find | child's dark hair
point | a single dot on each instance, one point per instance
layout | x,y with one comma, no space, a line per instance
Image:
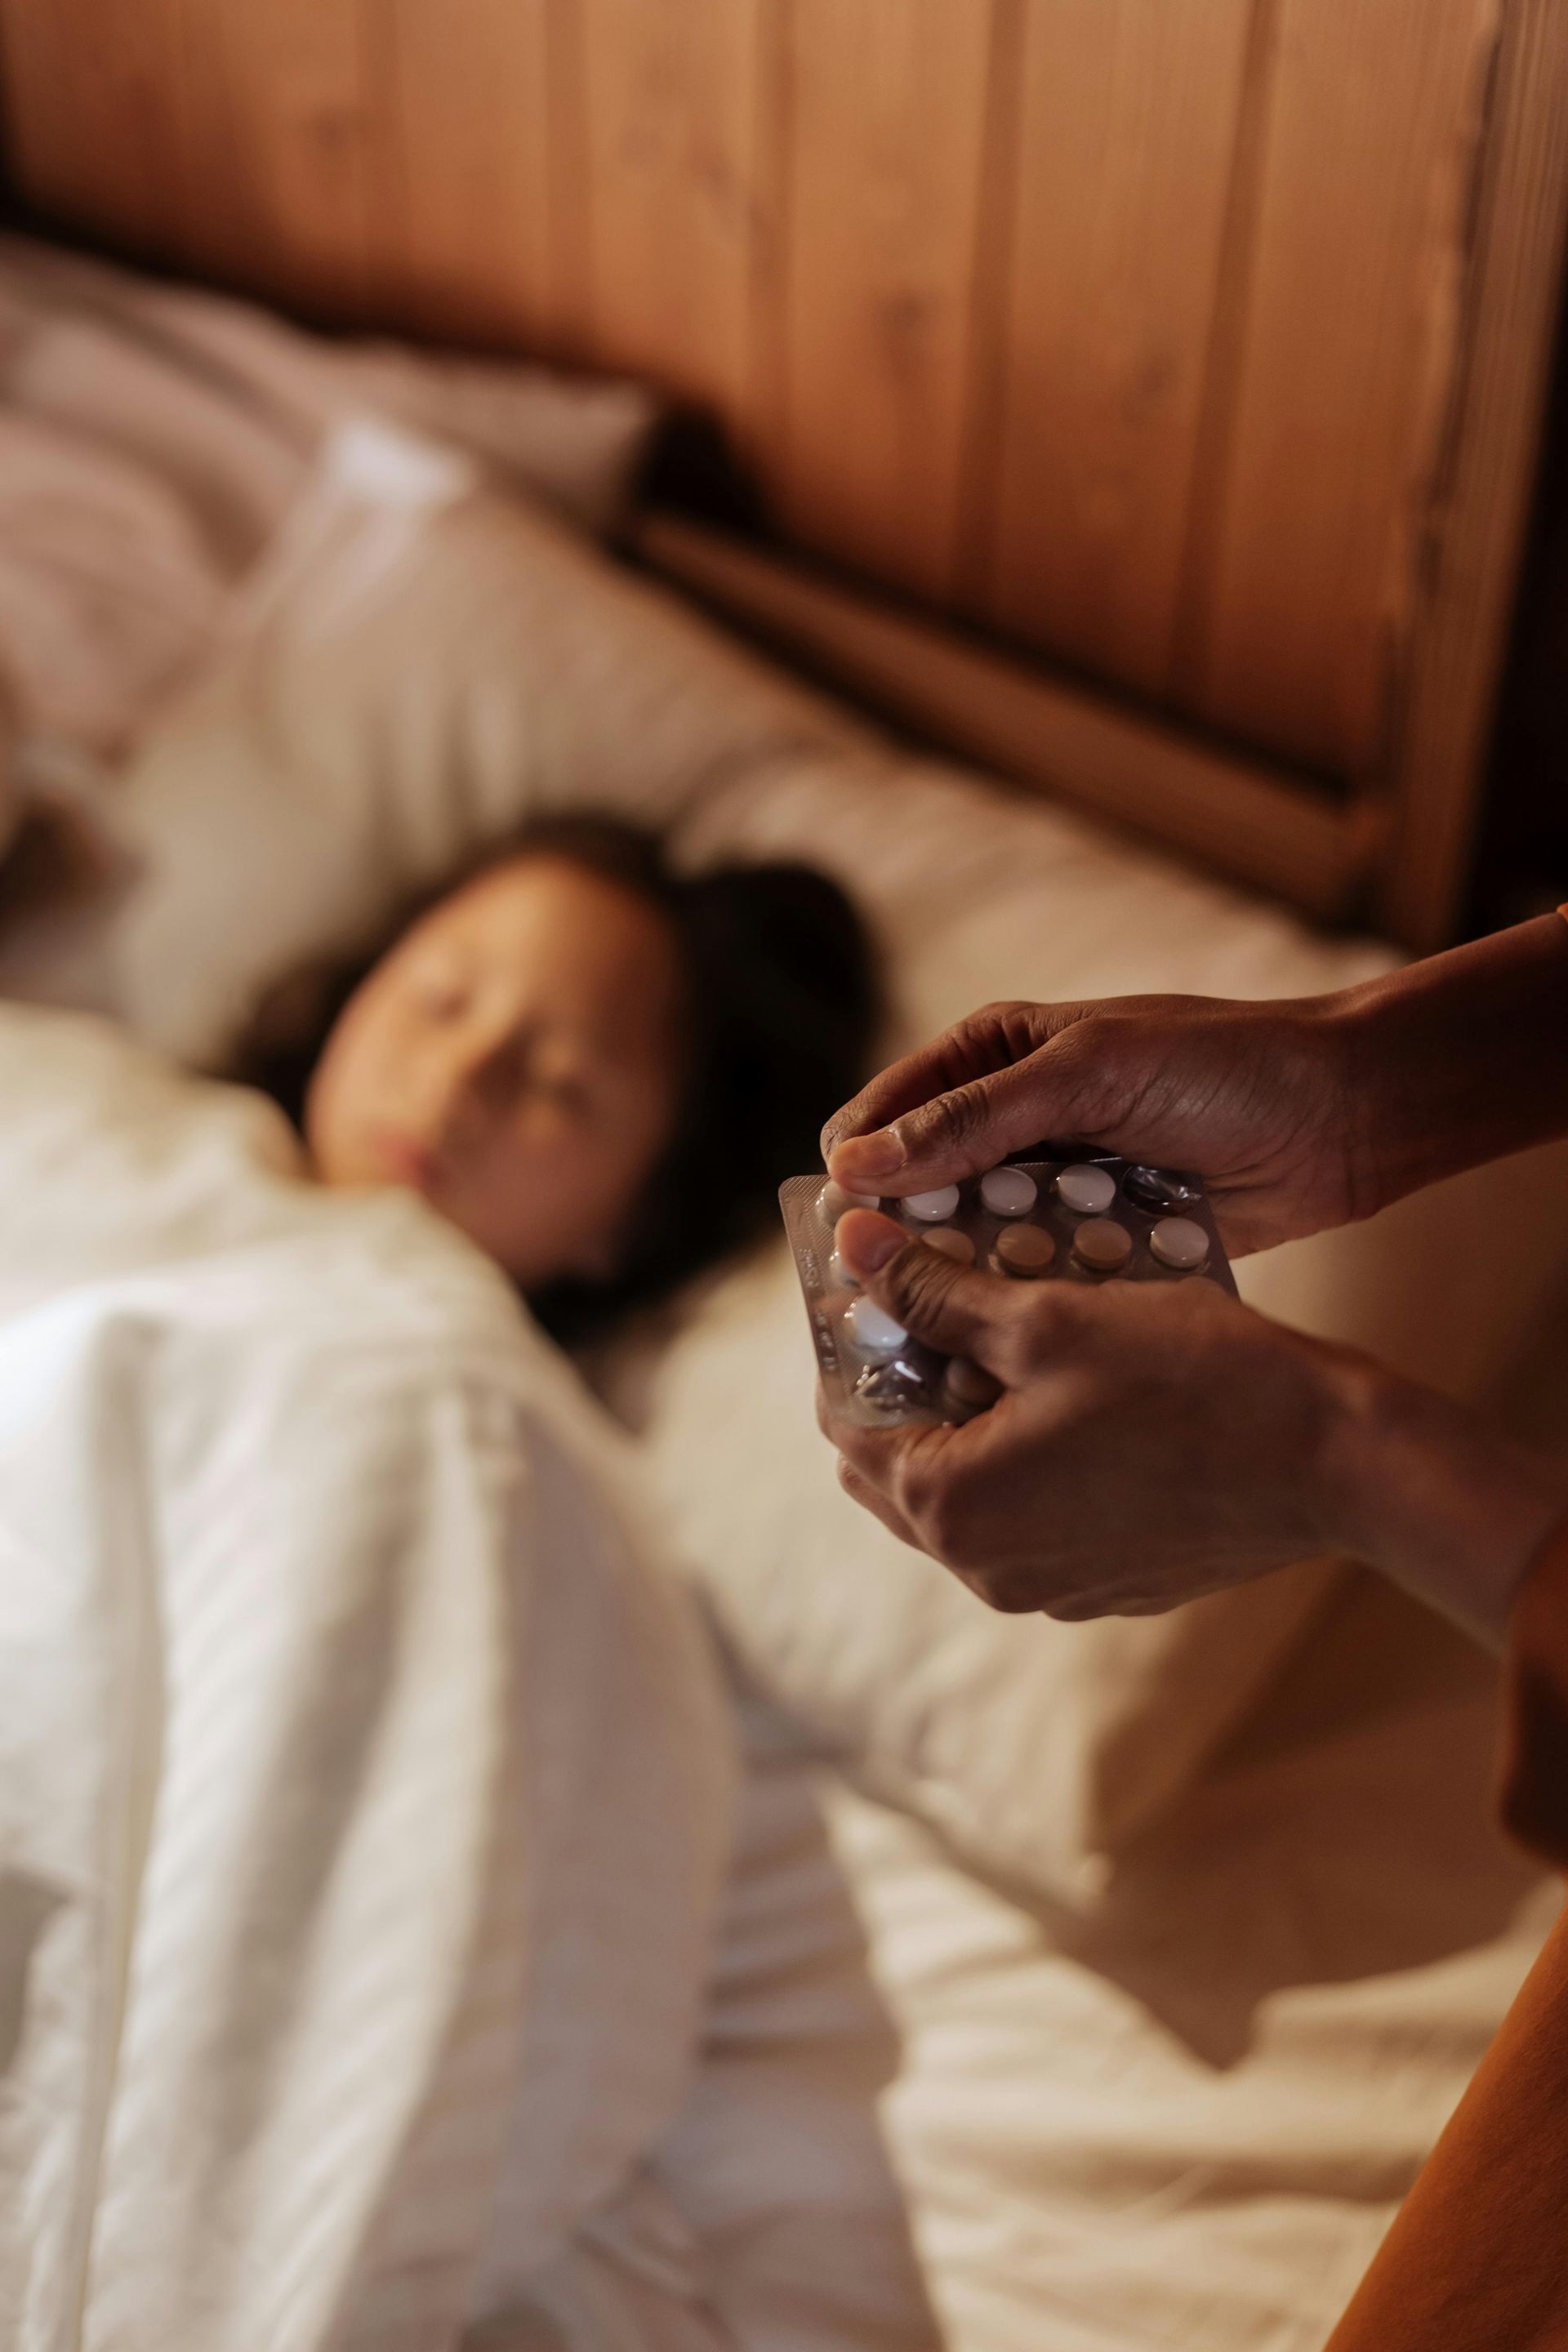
783,1003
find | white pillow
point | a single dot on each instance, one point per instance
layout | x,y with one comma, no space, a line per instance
419,663
153,436
423,664
227,405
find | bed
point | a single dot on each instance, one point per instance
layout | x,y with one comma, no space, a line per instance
1084,1988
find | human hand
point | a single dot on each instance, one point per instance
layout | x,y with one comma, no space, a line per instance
1108,1477
1259,1098
1298,1114
1153,1441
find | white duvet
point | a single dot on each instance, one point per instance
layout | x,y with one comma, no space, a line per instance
365,1793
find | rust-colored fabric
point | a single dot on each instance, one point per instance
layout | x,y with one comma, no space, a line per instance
1478,2259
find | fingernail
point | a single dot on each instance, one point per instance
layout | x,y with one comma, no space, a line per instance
867,1243
881,1154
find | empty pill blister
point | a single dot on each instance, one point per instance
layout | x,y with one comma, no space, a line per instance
1089,1220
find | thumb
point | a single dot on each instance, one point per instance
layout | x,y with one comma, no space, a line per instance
951,1307
963,1131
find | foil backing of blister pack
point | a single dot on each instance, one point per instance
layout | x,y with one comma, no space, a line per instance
880,1379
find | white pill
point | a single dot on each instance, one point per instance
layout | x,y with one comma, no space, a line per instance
1181,1243
1087,1192
833,1201
873,1329
932,1208
1009,1193
1103,1246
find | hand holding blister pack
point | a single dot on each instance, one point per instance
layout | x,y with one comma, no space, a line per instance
1089,1219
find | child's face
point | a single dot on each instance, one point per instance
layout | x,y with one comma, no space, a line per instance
517,1059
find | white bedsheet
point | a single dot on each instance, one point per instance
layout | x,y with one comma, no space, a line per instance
365,1794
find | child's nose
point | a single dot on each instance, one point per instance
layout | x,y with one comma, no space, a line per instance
475,1074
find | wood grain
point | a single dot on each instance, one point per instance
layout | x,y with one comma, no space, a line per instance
287,90
670,101
1236,814
1304,587
1130,112
95,115
886,107
469,189
1478,524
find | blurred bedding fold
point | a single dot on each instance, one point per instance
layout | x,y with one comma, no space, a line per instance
364,1791
153,437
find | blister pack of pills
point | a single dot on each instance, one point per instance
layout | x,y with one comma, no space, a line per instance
1089,1219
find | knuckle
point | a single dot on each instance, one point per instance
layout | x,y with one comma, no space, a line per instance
1021,1347
918,1281
999,1014
1008,1011
918,1490
1071,1608
1038,1334
912,1484
941,1524
848,1121
1012,1591
950,1122
950,1520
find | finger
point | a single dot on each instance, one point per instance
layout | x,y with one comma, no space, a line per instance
966,1128
873,1452
871,1464
859,1489
953,1307
991,1039
958,1054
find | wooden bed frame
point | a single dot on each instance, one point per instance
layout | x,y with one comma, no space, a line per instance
1145,393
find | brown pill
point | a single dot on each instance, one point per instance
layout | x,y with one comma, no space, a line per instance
1103,1246
1024,1250
951,1244
969,1384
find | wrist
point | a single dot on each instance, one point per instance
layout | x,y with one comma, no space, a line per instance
1453,1061
1356,1036
1430,1494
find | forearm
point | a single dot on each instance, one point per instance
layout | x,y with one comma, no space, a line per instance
1459,1060
1433,1496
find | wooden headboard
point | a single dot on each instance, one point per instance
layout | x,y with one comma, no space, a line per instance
1197,346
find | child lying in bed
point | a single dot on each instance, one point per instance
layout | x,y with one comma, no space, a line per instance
341,1689
558,1048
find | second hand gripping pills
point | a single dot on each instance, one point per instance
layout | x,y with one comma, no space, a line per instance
1088,1221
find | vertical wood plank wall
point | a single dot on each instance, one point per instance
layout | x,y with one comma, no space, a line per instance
1127,327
